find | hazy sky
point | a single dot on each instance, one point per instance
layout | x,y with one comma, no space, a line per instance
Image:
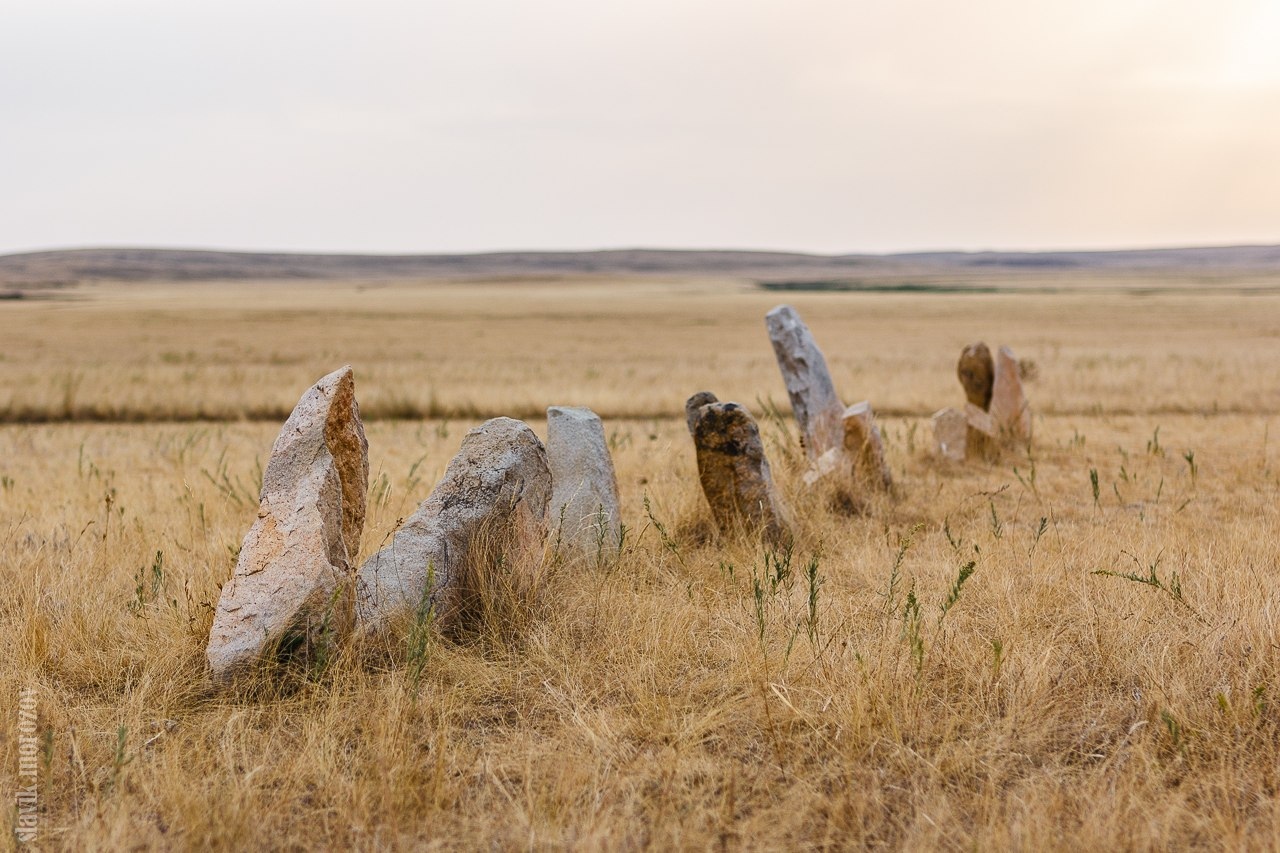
828,125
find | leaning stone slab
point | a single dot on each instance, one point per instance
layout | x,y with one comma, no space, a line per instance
1009,408
735,474
584,515
804,370
950,433
865,446
980,421
493,496
292,583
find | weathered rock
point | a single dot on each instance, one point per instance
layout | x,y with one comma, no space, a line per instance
983,440
1009,408
694,404
491,504
735,473
825,465
291,590
865,446
977,373
584,513
818,410
980,422
950,433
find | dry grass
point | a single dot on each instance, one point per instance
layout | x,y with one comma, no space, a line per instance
626,349
693,695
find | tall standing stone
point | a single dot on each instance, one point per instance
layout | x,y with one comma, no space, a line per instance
817,408
291,590
865,446
491,504
584,514
735,474
1009,408
976,371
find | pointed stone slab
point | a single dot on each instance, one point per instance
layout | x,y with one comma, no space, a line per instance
818,410
497,487
292,581
735,474
976,371
864,444
950,434
1009,408
585,517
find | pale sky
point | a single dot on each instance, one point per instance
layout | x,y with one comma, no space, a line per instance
461,125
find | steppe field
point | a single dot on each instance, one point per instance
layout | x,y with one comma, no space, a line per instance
1071,648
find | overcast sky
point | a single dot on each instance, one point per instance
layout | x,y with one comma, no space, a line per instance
458,125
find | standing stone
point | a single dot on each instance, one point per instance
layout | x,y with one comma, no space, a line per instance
491,504
291,590
950,433
1009,408
584,514
977,372
735,473
865,446
813,396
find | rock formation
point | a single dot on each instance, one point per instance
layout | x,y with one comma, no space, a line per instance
291,590
584,514
976,371
818,410
865,446
491,504
735,474
950,433
694,405
1009,408
997,413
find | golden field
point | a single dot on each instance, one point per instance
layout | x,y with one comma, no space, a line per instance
693,695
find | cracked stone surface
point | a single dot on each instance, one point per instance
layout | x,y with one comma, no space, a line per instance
491,503
817,408
291,589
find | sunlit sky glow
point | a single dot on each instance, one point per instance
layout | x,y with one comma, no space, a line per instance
823,125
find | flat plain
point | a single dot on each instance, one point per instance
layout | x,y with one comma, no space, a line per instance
1105,674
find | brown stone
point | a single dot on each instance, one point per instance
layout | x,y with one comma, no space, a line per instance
977,374
694,404
735,474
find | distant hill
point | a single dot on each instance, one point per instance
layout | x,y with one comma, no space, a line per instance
53,268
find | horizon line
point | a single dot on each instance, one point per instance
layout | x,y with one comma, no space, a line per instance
641,248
